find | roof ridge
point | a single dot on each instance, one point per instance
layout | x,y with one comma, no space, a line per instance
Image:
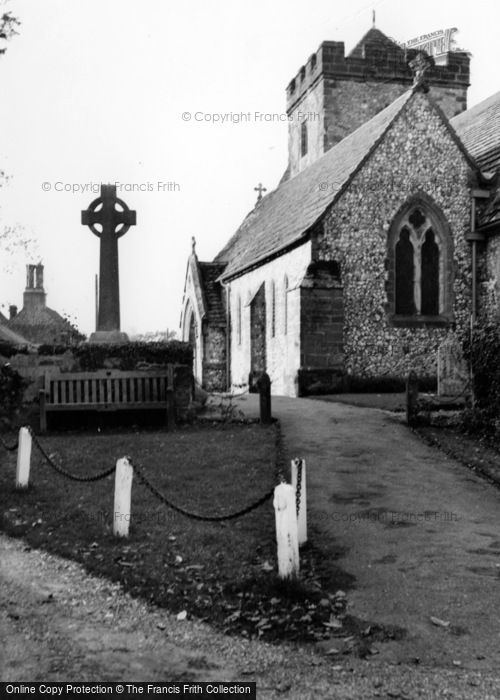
376,36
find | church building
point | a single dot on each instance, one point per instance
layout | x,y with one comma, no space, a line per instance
380,240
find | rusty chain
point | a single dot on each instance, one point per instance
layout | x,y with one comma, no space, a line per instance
279,478
299,463
197,516
64,472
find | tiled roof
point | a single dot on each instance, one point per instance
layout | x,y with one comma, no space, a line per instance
284,216
9,336
374,37
479,131
213,292
40,325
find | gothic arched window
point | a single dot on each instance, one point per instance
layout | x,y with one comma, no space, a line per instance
420,264
430,275
405,302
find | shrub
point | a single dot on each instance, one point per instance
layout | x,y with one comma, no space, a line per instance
127,355
482,350
386,384
12,386
7,350
50,349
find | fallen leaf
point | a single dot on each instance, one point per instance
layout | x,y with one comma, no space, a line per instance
283,687
333,624
439,623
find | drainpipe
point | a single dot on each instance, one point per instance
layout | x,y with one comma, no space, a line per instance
228,334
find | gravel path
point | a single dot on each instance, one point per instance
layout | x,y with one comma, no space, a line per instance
57,624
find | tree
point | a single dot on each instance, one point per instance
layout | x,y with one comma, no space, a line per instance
13,239
155,336
8,28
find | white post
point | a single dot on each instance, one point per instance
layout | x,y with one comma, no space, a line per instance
302,516
123,493
286,531
23,459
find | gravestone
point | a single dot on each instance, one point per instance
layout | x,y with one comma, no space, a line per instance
453,375
108,218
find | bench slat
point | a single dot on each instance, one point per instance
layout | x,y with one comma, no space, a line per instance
107,389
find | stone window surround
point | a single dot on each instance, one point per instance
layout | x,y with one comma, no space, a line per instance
444,241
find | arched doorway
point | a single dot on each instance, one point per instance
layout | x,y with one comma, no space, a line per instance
258,359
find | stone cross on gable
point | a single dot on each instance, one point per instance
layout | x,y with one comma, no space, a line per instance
419,66
260,189
108,218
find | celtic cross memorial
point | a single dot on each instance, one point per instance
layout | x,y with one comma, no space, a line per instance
108,218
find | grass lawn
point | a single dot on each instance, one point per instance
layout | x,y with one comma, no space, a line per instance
479,454
387,402
223,572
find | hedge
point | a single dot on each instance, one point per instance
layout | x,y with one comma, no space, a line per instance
8,350
93,356
482,350
12,387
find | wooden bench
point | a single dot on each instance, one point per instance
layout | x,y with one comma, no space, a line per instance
108,390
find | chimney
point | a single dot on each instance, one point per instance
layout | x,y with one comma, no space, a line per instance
39,276
34,294
12,311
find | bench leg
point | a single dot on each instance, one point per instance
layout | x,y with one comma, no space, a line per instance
43,413
170,410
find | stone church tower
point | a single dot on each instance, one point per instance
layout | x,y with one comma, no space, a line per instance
333,94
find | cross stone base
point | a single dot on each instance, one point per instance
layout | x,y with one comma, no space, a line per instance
110,337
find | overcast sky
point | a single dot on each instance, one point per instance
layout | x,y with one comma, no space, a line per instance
94,91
